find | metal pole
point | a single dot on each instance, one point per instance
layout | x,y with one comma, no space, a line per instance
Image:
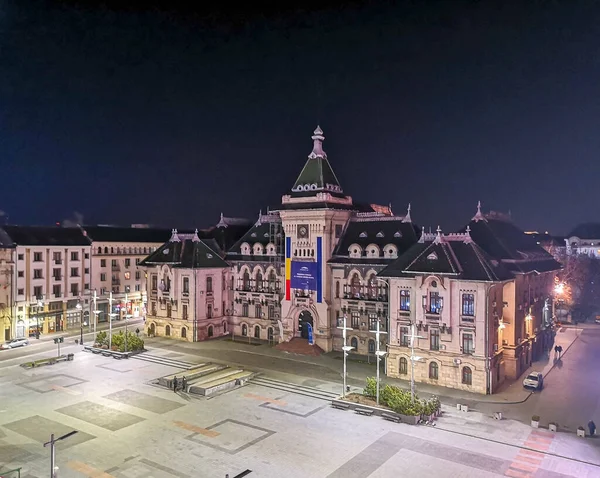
345,349
81,324
52,456
110,316
377,353
412,362
95,312
126,316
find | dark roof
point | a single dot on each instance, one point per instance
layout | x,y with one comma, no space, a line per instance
377,229
260,232
454,254
359,207
225,237
187,253
44,236
502,240
127,234
588,230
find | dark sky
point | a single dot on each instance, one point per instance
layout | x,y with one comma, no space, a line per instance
168,116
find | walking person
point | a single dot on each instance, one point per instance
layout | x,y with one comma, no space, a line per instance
592,427
184,384
174,384
559,351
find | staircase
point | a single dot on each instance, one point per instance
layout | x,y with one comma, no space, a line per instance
300,346
311,392
159,360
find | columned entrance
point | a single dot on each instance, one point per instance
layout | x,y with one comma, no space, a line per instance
304,319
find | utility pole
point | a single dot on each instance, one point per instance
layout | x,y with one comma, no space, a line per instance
52,442
413,359
346,348
110,317
379,353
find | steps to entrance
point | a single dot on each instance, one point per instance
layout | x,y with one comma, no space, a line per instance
191,374
157,359
300,346
295,388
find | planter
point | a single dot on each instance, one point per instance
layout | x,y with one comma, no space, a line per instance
553,427
458,405
581,432
464,408
535,424
410,419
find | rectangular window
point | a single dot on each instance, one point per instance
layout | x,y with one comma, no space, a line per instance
137,288
56,257
434,339
21,274
338,231
86,270
209,311
37,292
56,290
154,282
209,284
20,257
56,274
405,300
184,311
186,286
127,262
373,322
102,262
138,275
37,273
86,286
404,337
113,263
271,312
74,289
355,323
468,346
244,310
435,303
258,311
137,261
153,308
37,256
74,256
74,271
169,309
20,291
86,256
103,276
127,289
468,305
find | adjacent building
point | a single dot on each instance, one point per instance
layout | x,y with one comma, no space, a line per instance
584,239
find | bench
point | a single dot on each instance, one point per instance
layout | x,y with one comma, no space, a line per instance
340,405
391,417
364,411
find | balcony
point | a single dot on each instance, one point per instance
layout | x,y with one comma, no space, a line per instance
58,261
366,297
116,281
115,268
403,313
57,277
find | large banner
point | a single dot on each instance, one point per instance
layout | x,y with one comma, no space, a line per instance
304,275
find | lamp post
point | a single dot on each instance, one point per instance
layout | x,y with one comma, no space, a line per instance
346,349
387,318
40,304
413,359
127,317
79,307
379,353
110,317
52,442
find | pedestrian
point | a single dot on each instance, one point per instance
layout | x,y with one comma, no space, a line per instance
559,351
556,350
592,427
175,384
137,332
184,384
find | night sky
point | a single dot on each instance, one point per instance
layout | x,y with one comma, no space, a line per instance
170,116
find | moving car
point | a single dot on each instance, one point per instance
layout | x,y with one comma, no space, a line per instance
534,381
11,344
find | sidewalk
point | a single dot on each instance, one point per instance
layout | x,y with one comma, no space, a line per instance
76,332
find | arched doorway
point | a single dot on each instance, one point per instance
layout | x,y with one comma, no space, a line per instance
270,335
183,332
168,330
152,331
304,320
210,331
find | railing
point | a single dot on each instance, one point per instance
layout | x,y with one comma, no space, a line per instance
366,297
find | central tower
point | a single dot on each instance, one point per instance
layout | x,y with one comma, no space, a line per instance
313,216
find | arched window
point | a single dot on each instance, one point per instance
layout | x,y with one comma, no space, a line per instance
403,366
210,331
371,346
99,250
337,289
467,376
257,332
184,332
355,285
244,330
168,330
270,334
354,343
372,287
259,280
246,281
433,370
209,284
106,250
209,311
224,324
272,281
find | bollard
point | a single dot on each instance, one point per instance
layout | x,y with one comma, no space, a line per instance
498,415
458,406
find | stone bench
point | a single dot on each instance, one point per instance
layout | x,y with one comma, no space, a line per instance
340,405
364,411
391,417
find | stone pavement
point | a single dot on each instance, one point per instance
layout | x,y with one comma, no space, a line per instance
129,428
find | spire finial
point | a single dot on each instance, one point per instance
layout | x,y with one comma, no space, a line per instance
318,139
438,237
422,238
222,222
478,215
259,221
439,231
196,238
468,238
407,218
174,236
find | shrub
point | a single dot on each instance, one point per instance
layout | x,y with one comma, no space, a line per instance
101,339
370,389
535,418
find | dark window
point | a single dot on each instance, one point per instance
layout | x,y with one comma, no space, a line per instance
210,331
435,303
209,311
434,339
468,304
373,322
433,370
403,366
37,273
372,287
183,332
272,281
271,312
467,344
154,282
404,336
74,289
337,289
467,376
405,300
209,284
259,281
257,311
355,286
168,330
355,324
169,309
102,262
371,346
184,311
74,256
338,231
186,285
246,281
257,332
244,330
37,256
244,310
354,343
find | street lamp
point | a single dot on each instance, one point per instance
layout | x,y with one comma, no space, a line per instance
40,304
79,307
127,316
378,353
346,349
52,442
413,359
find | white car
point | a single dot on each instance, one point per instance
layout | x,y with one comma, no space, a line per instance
11,344
534,381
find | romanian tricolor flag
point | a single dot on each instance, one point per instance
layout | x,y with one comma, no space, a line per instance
288,268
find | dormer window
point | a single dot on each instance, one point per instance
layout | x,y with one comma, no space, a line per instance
355,251
245,249
258,249
380,234
397,234
432,257
362,234
372,250
390,251
266,234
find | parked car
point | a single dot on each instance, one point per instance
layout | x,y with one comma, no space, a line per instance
534,381
11,344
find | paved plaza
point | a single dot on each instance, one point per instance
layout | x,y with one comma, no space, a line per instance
129,427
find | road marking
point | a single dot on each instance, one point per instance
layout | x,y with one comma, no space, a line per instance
266,399
528,462
195,429
58,388
87,470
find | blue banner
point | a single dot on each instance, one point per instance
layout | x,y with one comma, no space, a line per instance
311,340
304,275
